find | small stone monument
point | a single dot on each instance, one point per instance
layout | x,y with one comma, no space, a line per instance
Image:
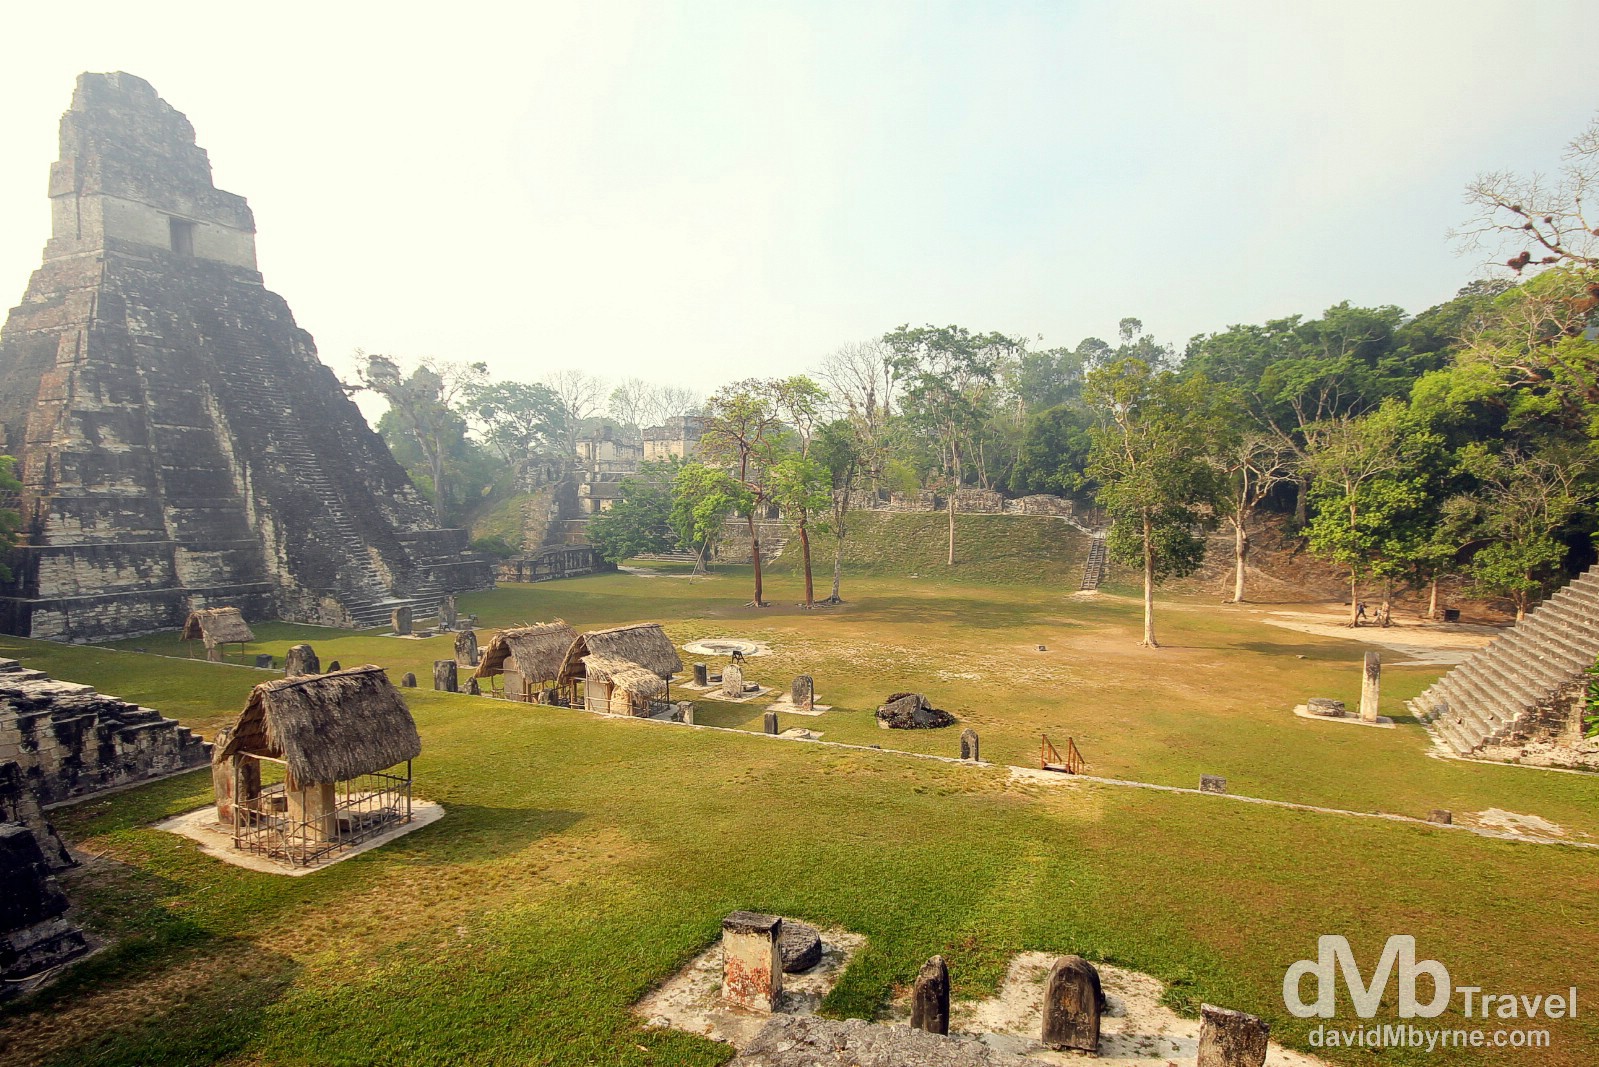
969,745
1326,706
803,692
685,712
444,675
466,649
1370,685
334,666
1442,817
301,660
800,946
448,613
733,681
400,620
472,687
701,674
1230,1038
408,680
771,723
752,961
930,997
1212,783
264,661
1072,1002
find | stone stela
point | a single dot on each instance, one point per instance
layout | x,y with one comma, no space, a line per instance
752,961
1370,687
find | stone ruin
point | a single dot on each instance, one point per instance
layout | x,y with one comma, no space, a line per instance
60,741
179,444
66,740
911,711
35,934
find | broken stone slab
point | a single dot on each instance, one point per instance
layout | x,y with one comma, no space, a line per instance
800,946
771,723
1442,816
969,745
930,997
444,676
466,650
1332,709
1231,1038
400,620
334,666
1212,783
802,694
408,680
302,659
752,962
1072,1003
733,682
264,661
911,711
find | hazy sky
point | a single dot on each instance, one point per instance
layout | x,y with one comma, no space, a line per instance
703,191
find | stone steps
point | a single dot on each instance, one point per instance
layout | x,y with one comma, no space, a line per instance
1494,695
1094,565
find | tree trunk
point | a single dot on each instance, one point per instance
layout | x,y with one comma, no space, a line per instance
1301,512
1240,553
1387,603
755,555
838,571
1354,597
1432,599
805,552
1149,584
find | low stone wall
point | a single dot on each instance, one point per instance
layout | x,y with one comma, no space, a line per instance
562,561
66,740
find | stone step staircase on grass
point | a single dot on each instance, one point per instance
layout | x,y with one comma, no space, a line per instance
1094,565
1525,681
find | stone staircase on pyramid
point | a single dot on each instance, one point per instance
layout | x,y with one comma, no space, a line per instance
1527,683
1094,565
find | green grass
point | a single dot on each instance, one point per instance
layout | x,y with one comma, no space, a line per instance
583,859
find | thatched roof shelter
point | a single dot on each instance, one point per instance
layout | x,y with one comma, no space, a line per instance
645,644
217,626
327,727
627,677
535,652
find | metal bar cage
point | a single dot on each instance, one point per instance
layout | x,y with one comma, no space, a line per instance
307,825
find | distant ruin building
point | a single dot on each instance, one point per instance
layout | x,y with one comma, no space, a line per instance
180,446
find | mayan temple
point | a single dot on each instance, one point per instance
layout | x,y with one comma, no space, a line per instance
179,443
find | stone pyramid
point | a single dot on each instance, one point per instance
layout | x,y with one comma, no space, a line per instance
1528,684
180,445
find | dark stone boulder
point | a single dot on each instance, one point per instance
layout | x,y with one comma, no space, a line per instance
911,711
800,945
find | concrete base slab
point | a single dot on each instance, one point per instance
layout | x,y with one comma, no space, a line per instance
1304,712
216,840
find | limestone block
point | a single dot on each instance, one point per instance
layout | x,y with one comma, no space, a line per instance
930,997
1231,1038
1073,1000
752,961
1370,687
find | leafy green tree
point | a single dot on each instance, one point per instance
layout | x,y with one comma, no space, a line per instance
948,373
1525,498
422,408
639,521
1372,485
1153,455
838,447
744,433
802,487
10,517
517,420
703,497
1054,452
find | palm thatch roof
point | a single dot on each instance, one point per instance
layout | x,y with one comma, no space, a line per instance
216,626
627,677
327,727
535,652
645,644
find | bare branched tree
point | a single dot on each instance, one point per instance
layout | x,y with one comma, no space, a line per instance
580,394
1544,220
